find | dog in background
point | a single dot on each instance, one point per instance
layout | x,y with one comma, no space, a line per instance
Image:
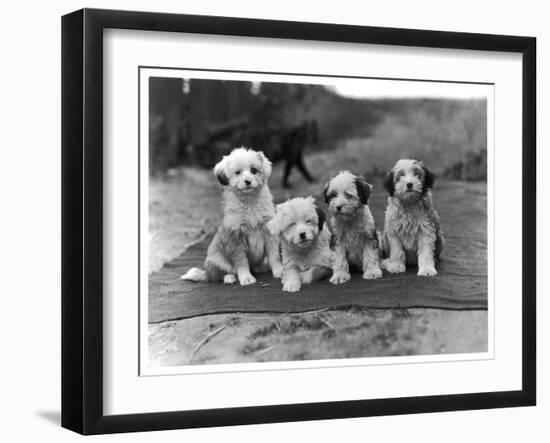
282,144
304,240
242,243
354,233
292,149
412,233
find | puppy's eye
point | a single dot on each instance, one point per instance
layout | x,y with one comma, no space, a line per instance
253,170
309,221
237,172
348,195
290,225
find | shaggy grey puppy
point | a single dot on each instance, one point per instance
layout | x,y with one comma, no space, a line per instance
412,234
354,233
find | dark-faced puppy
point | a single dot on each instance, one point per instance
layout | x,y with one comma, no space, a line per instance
354,233
412,234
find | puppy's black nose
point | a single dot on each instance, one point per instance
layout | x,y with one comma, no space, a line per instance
339,208
409,185
247,182
303,235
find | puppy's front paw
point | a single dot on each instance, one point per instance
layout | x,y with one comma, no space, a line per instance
340,277
395,267
291,286
306,277
428,271
246,280
229,279
372,274
277,271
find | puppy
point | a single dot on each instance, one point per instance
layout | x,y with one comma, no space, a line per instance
242,242
354,234
304,240
412,235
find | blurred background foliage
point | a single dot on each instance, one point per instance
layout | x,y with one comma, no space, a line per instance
193,122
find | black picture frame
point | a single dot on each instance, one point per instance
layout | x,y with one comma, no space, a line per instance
82,220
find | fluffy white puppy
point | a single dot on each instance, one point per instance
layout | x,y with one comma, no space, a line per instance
304,240
412,235
242,243
354,233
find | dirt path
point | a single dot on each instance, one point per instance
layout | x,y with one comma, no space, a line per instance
241,338
186,205
182,208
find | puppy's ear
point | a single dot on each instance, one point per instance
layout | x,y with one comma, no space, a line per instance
389,185
325,193
363,189
266,164
429,179
220,171
274,225
321,218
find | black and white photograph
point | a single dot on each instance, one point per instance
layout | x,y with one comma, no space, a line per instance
292,218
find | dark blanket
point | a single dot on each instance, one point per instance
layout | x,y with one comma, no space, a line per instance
460,284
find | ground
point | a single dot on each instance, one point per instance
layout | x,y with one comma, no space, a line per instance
184,206
236,338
